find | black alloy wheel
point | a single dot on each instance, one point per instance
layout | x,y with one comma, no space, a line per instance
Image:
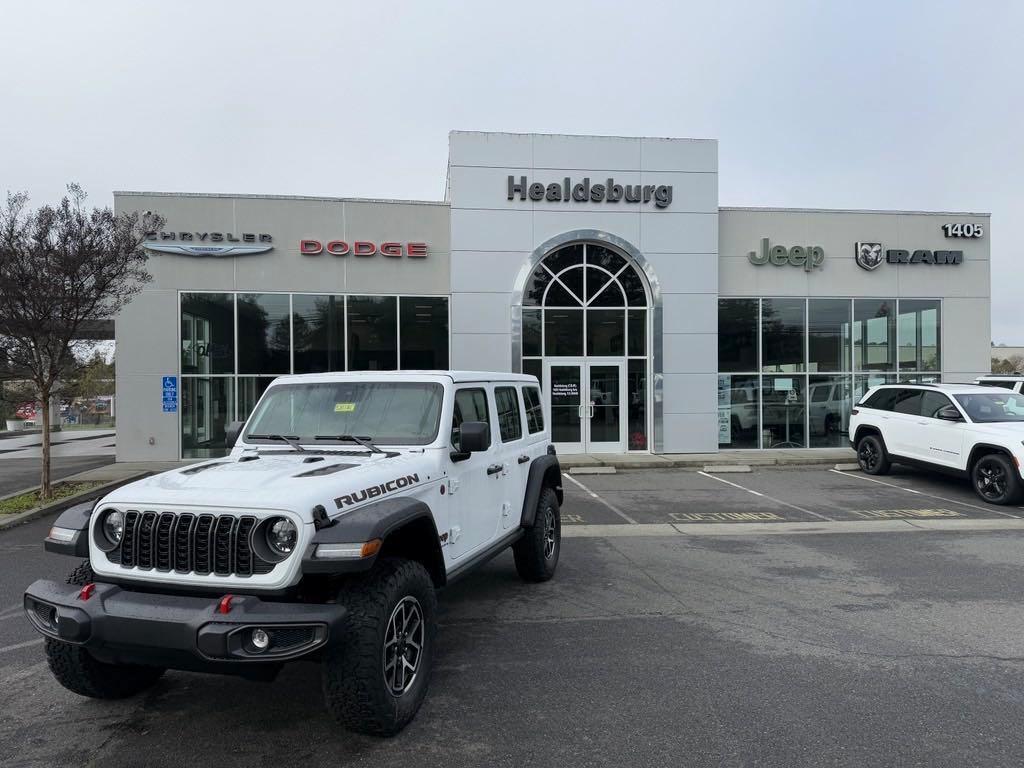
995,479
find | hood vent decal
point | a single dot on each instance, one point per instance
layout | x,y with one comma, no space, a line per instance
330,469
200,467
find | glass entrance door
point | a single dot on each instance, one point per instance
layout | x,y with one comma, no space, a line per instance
585,398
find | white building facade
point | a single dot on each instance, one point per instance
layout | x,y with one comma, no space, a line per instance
655,319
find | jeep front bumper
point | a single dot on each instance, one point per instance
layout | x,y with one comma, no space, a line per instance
198,633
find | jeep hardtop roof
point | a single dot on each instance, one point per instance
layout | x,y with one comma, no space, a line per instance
458,377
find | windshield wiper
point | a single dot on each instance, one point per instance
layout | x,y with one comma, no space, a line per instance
363,441
290,439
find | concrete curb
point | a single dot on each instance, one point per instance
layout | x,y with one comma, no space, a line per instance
656,462
10,521
776,529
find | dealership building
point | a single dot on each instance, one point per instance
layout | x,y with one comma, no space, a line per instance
656,319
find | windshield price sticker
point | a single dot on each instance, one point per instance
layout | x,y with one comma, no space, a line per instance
344,407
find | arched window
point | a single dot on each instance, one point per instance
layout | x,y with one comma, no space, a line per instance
586,300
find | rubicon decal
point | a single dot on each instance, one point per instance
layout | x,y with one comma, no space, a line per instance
375,491
363,248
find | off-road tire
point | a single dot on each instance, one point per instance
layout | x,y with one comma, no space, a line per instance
995,479
536,553
353,670
77,670
872,456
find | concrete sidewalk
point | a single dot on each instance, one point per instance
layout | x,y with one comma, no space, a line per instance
770,458
767,458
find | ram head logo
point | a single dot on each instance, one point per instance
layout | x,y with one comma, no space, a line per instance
868,255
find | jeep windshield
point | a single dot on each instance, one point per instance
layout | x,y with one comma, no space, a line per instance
988,408
339,412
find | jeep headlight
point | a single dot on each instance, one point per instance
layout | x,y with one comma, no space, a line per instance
282,535
112,526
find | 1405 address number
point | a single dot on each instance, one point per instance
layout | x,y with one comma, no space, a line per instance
964,230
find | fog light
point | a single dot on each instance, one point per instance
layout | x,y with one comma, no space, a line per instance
260,640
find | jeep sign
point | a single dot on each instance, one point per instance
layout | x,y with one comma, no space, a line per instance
807,257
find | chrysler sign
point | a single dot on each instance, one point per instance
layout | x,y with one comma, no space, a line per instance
208,243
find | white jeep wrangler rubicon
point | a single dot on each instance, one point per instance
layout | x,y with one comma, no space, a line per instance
960,429
346,500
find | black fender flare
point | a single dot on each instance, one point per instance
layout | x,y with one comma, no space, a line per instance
75,518
386,520
545,472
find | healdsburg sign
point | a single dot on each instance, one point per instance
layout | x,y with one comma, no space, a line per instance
584,191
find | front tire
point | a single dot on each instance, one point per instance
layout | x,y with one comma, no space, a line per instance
78,671
536,553
995,479
375,680
872,456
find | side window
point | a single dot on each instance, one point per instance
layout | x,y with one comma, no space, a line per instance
470,405
510,423
909,401
882,400
932,402
534,410
821,393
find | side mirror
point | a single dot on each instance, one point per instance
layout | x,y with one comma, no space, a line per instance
474,436
231,433
949,413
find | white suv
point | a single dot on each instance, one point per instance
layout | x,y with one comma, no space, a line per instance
963,429
1011,381
346,500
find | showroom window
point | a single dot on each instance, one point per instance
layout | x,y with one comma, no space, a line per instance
234,345
790,369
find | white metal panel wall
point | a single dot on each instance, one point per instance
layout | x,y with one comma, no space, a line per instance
492,237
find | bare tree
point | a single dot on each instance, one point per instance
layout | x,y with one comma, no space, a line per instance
61,267
1012,364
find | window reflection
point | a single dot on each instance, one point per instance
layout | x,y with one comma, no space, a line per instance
782,335
738,406
874,335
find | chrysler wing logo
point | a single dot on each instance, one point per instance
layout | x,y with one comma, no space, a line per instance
868,255
190,249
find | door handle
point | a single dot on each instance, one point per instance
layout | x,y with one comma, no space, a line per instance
495,469
579,410
523,459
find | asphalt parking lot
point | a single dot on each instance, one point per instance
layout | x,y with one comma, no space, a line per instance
793,649
771,495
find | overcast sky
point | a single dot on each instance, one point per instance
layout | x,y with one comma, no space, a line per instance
817,104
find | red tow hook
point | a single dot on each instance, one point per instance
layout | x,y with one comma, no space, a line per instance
224,606
87,591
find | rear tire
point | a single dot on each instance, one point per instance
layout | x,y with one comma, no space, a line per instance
375,680
536,553
995,479
76,669
872,456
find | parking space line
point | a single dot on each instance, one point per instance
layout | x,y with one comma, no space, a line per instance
990,508
593,495
16,646
770,498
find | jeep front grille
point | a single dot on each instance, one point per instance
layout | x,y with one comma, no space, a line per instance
189,543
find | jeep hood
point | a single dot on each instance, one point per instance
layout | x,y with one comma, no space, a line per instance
275,480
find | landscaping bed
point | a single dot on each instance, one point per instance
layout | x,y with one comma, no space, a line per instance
30,500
